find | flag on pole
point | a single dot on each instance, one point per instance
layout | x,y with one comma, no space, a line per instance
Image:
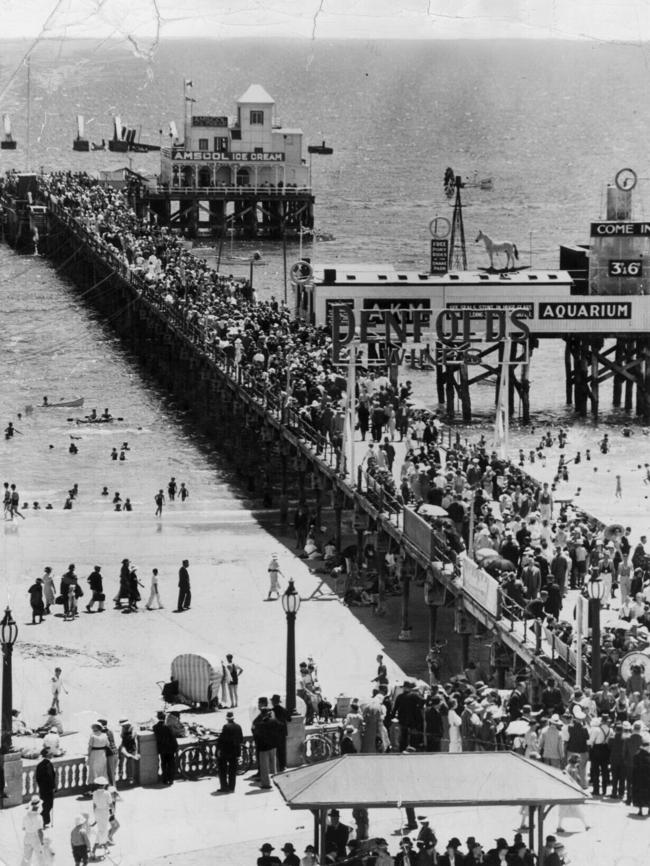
501,421
347,463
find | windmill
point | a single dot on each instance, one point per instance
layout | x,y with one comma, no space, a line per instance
457,253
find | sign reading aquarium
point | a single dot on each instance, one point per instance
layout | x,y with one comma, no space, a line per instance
591,310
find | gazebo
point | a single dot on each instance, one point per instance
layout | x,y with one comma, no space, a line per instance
379,781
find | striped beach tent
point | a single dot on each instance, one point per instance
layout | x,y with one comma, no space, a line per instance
199,677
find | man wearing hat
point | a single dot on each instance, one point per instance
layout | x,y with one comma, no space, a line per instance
267,735
499,854
425,833
290,856
268,859
45,776
336,834
33,829
229,745
476,855
167,746
406,855
452,856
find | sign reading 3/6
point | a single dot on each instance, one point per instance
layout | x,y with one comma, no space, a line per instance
625,268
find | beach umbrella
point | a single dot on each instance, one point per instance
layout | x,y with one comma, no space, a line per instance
619,625
487,553
517,728
427,510
499,564
613,530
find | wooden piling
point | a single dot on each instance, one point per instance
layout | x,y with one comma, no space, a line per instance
619,356
465,398
594,378
629,352
568,371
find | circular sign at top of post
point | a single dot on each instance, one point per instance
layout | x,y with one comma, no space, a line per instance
440,227
301,272
625,179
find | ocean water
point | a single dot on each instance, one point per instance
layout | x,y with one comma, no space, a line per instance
550,122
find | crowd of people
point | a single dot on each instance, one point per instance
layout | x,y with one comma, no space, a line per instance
43,595
348,845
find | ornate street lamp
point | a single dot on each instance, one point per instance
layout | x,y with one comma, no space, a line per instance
8,636
291,605
596,590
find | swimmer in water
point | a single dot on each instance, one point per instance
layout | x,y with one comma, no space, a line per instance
105,491
106,415
73,449
114,454
117,497
122,455
127,504
68,504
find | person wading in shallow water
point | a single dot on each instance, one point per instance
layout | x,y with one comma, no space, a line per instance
159,499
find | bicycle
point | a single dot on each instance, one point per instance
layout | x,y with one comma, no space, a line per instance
320,747
202,758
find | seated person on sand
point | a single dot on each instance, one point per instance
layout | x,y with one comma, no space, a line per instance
18,726
52,723
51,741
311,551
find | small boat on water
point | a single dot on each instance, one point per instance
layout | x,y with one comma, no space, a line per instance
8,142
98,420
76,403
81,143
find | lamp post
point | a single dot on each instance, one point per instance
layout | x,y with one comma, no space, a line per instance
8,635
255,259
291,605
596,590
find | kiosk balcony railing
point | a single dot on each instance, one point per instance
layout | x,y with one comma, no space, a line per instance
230,191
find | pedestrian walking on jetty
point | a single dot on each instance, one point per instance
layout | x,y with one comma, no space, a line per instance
274,578
97,588
36,600
56,684
154,594
49,591
184,591
123,591
159,499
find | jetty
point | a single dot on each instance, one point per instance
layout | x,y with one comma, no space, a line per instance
281,457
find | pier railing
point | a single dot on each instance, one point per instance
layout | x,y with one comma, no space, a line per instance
384,502
231,191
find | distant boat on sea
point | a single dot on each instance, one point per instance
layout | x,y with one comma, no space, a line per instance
81,142
124,141
8,142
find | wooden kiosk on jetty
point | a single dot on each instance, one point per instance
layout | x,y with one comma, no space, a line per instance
247,177
456,321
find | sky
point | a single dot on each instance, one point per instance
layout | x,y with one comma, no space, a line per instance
599,20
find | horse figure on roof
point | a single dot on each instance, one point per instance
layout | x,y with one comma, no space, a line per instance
492,247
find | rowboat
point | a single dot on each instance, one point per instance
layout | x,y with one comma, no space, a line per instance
64,403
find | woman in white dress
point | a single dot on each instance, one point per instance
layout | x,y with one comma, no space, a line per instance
355,720
573,811
97,745
49,591
102,805
455,741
